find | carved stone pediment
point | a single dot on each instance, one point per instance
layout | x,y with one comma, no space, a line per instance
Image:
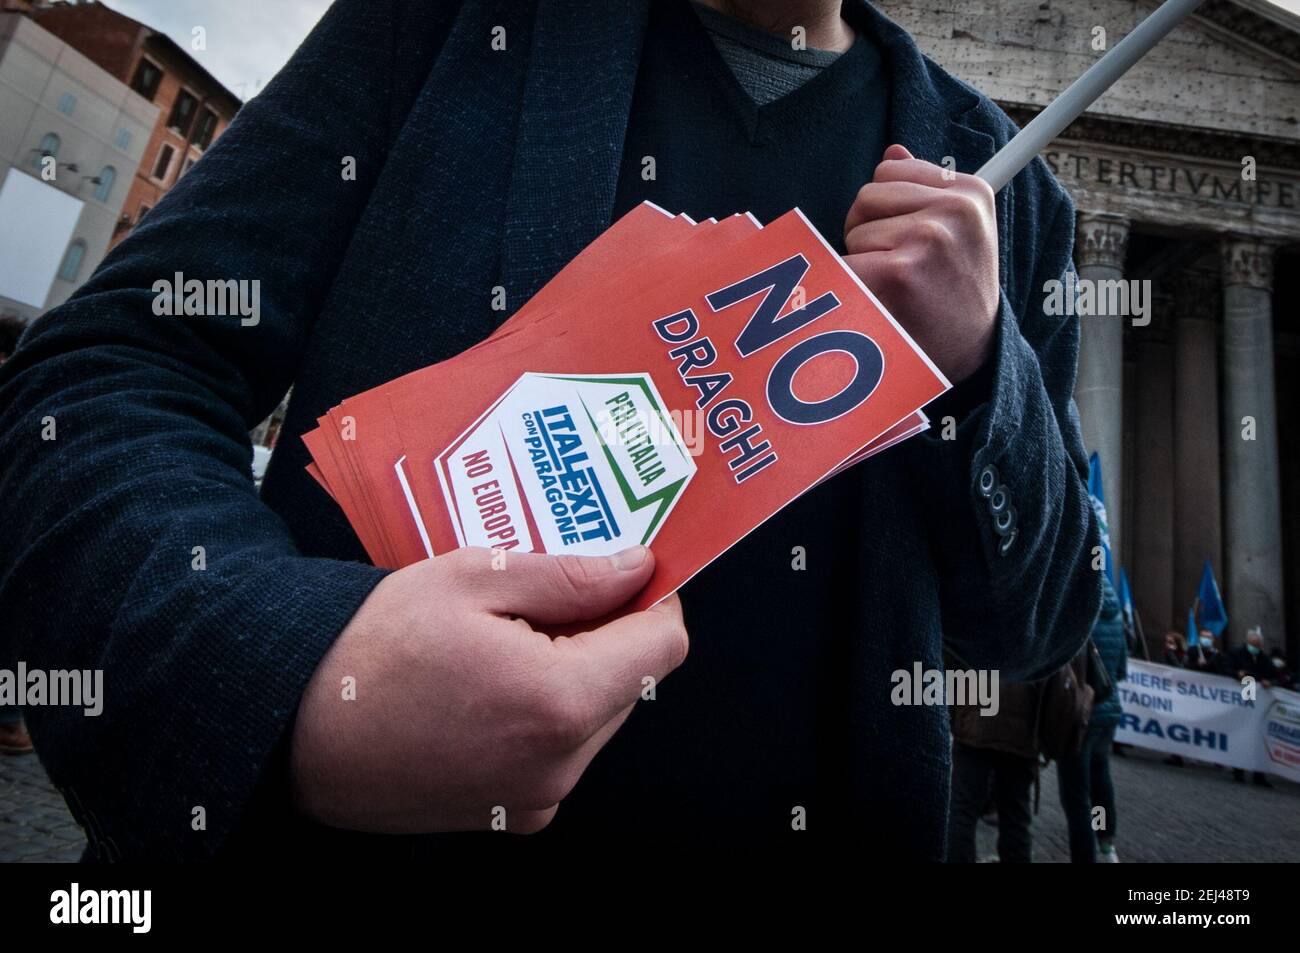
1179,191
1202,135
1231,68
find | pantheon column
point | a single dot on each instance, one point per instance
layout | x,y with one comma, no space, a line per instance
1251,479
1198,524
1099,390
1149,535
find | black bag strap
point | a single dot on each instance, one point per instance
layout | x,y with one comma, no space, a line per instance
1103,686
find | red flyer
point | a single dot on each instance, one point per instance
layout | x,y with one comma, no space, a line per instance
678,401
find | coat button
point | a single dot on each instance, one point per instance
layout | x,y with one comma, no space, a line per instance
1005,521
1005,546
988,480
999,501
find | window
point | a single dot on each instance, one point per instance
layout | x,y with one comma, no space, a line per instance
183,110
123,140
67,104
106,180
207,127
147,79
49,147
164,162
72,261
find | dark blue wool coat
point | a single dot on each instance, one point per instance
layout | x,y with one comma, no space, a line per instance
475,168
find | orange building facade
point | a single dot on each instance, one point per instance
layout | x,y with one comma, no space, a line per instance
194,107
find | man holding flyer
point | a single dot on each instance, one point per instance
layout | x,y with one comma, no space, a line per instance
415,165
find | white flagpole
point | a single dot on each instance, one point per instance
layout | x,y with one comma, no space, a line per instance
1083,92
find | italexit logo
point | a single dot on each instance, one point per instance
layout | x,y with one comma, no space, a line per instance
567,464
1282,733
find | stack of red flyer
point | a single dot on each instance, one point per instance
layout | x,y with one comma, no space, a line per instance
675,385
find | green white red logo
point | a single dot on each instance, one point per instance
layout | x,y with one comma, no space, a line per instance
567,464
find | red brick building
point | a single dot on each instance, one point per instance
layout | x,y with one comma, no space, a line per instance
194,108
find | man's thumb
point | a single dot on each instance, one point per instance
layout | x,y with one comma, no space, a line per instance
557,589
896,152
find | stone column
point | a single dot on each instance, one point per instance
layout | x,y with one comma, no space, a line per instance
1251,479
1198,522
1149,552
1099,390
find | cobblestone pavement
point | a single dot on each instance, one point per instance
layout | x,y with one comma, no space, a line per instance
1166,814
1173,815
34,822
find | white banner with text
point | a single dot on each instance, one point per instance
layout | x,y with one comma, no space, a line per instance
1211,718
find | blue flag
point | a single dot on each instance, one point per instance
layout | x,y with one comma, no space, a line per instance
1213,614
1125,598
1192,640
1097,494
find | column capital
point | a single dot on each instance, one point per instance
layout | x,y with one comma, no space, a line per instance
1101,239
1247,261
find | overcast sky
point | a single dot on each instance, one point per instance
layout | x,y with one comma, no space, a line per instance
249,40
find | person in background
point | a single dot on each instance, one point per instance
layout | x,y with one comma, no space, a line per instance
1084,778
13,730
1205,656
1251,661
1175,654
1001,749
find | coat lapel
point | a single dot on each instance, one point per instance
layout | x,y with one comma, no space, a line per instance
577,97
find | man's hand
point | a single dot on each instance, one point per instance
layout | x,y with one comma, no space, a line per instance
925,241
461,709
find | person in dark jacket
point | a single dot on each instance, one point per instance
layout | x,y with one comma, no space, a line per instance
1175,653
413,165
1205,656
1085,786
1175,656
998,750
1249,660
